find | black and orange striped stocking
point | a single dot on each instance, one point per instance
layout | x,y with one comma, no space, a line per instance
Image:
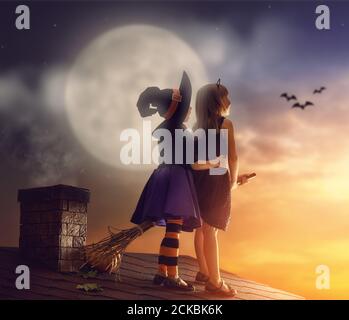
169,249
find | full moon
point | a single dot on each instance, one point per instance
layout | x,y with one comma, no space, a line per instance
108,76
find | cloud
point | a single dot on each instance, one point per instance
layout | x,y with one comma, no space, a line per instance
256,67
13,91
33,134
258,59
52,84
268,130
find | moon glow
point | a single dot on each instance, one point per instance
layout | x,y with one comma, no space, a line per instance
109,74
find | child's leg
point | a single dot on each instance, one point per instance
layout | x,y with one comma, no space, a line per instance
169,250
212,258
199,250
162,269
211,252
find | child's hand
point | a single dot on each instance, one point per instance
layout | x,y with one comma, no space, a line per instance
242,179
233,185
215,164
207,165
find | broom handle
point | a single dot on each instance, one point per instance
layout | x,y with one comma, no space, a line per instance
146,225
249,176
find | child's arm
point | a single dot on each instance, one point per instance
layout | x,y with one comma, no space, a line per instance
233,161
205,166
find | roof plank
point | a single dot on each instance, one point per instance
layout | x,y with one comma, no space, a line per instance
134,283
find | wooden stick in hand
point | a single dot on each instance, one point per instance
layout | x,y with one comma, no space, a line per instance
248,176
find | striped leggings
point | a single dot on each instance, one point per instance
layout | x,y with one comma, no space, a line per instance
169,249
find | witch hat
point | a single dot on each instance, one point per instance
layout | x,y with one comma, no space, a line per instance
171,104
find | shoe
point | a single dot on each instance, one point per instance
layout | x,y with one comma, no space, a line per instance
200,277
219,291
159,279
178,284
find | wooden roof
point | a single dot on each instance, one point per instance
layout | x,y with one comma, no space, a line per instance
135,282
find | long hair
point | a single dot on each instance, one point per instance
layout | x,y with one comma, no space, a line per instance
209,107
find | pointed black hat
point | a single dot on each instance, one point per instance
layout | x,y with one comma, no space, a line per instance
171,104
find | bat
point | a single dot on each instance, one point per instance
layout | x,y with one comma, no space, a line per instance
298,105
308,103
249,177
319,90
288,97
302,106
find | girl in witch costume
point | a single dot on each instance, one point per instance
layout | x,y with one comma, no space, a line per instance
169,197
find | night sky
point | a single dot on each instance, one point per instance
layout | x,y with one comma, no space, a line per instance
258,49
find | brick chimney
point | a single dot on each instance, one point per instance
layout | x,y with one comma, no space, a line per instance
53,225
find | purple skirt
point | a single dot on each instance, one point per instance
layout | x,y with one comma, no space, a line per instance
169,193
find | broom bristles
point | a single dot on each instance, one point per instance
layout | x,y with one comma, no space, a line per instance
106,254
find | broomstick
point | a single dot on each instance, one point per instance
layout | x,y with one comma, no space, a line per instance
105,255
